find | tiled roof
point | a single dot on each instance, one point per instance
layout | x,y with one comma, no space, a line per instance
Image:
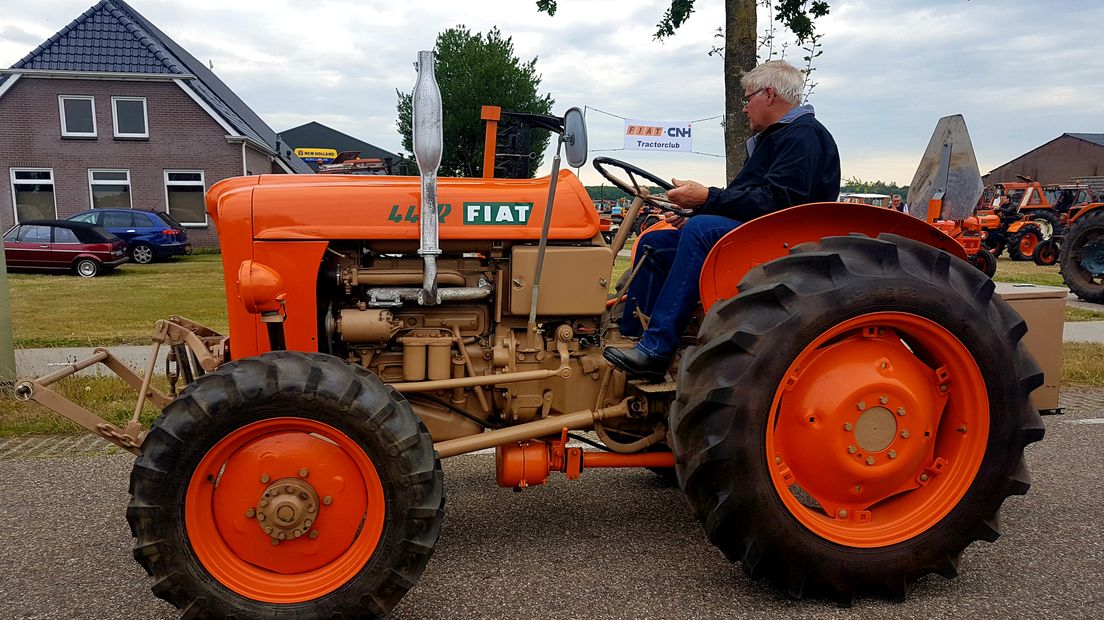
1095,138
112,37
317,135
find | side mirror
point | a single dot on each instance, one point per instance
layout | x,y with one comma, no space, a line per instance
575,137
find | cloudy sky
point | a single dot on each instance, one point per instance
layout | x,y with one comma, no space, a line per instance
1021,72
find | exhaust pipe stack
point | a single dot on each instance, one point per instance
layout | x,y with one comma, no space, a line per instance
428,144
428,129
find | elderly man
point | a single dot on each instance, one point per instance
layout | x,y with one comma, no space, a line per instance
792,160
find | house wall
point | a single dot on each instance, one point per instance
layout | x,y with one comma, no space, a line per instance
1054,162
182,136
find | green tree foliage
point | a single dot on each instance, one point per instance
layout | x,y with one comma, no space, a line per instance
474,70
856,185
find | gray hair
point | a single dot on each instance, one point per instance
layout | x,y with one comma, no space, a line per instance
786,80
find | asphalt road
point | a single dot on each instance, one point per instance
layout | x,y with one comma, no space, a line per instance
615,544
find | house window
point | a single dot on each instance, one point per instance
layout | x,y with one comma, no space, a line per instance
129,117
184,196
33,194
109,189
78,116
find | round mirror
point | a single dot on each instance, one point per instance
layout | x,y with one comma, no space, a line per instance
575,137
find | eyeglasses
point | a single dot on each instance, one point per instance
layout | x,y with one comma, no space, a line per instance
747,98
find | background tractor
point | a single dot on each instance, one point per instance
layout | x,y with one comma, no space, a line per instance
848,414
1082,252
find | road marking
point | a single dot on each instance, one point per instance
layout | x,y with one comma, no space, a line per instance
1088,421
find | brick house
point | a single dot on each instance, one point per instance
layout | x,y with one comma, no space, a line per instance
110,112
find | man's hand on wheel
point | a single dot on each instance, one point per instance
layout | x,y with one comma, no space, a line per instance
688,194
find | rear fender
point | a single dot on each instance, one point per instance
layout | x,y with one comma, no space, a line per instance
1095,206
772,236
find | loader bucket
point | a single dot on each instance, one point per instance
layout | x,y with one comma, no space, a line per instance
948,170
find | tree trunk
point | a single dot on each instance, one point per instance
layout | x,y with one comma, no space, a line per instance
739,58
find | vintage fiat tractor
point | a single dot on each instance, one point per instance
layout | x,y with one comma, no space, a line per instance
849,413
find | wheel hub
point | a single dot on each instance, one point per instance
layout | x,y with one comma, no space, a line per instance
875,429
287,509
1092,257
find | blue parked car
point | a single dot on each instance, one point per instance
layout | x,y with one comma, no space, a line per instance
149,235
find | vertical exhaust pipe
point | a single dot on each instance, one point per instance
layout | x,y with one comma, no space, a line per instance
428,143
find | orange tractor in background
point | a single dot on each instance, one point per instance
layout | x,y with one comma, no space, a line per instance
1033,217
847,414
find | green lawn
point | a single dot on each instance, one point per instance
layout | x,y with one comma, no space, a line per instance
63,310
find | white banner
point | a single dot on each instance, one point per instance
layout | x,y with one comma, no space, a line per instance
658,136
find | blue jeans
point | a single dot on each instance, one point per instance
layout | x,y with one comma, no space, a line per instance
666,285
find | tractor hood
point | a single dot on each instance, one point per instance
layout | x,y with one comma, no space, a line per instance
385,207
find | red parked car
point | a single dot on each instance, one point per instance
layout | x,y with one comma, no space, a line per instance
61,245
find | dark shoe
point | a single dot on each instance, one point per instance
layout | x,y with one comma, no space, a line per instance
636,362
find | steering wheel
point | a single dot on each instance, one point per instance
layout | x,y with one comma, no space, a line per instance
636,189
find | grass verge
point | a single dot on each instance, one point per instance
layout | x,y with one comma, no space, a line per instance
62,310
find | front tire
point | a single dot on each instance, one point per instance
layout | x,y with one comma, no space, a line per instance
286,485
1047,253
1082,259
984,261
888,429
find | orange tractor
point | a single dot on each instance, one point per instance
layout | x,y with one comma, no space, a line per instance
1081,252
1033,218
848,414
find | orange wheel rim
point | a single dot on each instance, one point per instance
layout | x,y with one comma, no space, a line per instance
323,494
1027,244
878,429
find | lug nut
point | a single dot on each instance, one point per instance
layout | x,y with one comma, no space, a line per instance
327,500
261,517
310,507
892,454
943,388
303,472
901,411
923,477
264,502
869,460
264,478
275,542
852,449
847,426
858,488
861,405
268,529
307,523
905,434
962,429
287,489
282,535
314,534
843,513
883,399
250,513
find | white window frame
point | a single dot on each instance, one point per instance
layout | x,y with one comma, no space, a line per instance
11,174
202,183
115,117
92,181
65,133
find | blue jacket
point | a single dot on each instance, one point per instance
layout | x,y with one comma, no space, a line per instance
794,161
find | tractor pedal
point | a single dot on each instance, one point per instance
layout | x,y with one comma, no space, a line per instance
654,388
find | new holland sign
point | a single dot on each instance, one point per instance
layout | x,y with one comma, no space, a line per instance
322,156
658,136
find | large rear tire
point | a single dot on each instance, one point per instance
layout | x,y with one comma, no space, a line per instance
855,416
288,485
1082,259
